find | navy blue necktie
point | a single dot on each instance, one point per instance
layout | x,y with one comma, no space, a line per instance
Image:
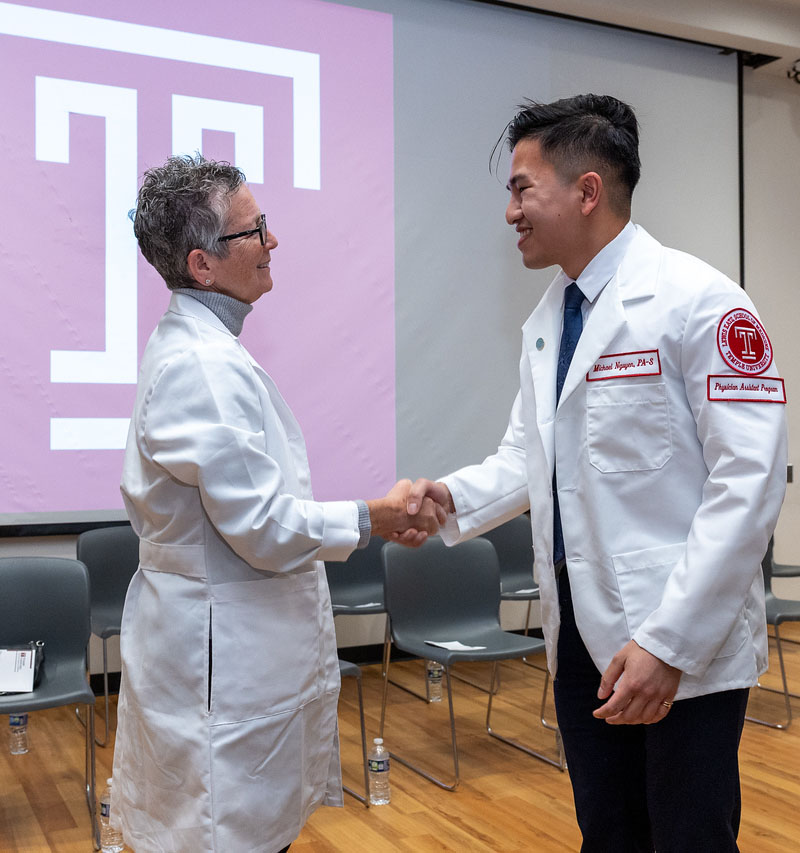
573,326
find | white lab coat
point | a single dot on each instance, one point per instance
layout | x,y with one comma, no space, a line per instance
667,499
234,750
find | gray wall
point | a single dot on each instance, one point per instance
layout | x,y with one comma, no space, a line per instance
461,291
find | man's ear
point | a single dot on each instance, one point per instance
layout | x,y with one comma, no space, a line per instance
591,190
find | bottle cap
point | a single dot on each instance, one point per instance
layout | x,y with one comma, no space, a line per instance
108,781
378,741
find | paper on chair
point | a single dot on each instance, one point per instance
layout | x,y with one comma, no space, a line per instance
16,670
453,645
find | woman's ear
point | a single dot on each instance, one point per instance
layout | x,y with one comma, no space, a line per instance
199,268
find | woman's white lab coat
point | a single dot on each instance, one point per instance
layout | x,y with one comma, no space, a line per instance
227,737
668,497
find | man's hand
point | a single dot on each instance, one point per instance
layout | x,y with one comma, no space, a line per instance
642,686
390,518
437,492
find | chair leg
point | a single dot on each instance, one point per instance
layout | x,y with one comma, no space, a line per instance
90,776
387,651
104,741
99,742
545,723
775,689
475,684
560,763
419,770
365,798
786,693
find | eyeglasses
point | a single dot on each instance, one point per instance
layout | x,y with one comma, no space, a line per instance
261,230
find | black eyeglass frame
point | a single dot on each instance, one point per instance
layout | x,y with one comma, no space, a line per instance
261,230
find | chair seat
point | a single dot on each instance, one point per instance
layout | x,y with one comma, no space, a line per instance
782,610
56,688
361,597
523,593
348,669
106,620
499,646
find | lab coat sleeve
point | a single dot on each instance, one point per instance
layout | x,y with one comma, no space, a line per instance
493,492
204,422
744,448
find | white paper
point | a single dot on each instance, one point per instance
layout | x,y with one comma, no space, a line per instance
16,670
453,645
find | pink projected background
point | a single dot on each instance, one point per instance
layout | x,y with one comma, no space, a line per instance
87,106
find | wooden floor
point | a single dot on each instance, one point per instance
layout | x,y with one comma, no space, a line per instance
507,801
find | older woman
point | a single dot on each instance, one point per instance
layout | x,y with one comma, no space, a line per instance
227,736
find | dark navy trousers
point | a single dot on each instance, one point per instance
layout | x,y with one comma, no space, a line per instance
670,787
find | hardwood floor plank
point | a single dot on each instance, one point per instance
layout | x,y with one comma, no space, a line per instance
507,802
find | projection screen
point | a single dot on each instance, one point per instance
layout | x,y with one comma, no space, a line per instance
364,129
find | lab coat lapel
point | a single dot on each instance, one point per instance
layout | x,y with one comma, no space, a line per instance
541,335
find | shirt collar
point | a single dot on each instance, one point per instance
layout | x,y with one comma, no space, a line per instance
604,265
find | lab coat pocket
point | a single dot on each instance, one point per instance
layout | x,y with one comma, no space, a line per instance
641,577
628,427
265,646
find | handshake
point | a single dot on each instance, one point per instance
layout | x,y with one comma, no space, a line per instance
411,512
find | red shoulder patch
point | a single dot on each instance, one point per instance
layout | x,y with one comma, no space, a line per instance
743,343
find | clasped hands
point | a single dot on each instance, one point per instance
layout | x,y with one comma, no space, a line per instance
410,512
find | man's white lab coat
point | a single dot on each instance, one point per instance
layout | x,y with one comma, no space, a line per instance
668,498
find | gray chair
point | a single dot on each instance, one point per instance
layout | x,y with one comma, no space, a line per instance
356,588
111,554
356,585
440,593
47,598
779,610
782,570
513,542
350,670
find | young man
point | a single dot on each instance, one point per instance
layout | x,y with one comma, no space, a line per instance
649,420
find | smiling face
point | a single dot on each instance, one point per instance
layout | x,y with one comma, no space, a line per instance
544,209
244,274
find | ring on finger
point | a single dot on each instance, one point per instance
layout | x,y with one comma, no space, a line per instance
667,705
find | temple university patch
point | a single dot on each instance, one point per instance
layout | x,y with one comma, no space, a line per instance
743,343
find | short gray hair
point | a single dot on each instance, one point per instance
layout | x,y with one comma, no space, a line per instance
181,206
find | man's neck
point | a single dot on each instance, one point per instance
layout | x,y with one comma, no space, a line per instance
596,239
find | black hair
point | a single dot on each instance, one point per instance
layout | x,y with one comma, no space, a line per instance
585,133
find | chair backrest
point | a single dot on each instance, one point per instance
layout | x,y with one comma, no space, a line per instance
45,598
513,542
766,568
358,579
448,589
111,554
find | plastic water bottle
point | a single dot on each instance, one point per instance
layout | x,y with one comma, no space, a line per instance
378,762
18,734
110,838
434,684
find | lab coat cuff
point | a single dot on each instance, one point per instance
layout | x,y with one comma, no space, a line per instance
341,532
688,665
